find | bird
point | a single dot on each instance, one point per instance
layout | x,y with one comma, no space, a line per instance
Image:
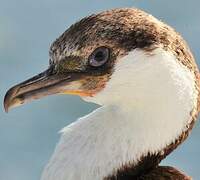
143,76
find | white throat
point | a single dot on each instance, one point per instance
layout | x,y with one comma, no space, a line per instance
146,105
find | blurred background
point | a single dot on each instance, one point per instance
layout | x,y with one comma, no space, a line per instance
28,134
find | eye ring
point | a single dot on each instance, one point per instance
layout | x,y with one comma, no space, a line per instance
99,56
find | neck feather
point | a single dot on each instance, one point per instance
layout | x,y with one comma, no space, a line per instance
141,124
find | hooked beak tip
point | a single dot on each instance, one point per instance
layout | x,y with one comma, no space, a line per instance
9,99
6,108
6,103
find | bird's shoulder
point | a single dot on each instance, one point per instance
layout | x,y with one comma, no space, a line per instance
157,173
165,173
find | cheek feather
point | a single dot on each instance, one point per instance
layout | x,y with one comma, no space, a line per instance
94,84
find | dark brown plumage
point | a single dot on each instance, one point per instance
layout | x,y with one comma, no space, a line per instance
157,173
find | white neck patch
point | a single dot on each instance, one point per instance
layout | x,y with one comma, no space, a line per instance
146,106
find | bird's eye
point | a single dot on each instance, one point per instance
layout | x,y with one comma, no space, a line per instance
99,56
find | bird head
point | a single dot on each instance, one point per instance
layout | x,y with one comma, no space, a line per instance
91,53
83,58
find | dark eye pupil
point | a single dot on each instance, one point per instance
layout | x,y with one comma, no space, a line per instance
99,56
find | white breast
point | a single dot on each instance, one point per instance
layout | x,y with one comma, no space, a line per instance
146,106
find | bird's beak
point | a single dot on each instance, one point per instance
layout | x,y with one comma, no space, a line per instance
41,85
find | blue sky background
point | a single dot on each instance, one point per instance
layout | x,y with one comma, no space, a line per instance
28,134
